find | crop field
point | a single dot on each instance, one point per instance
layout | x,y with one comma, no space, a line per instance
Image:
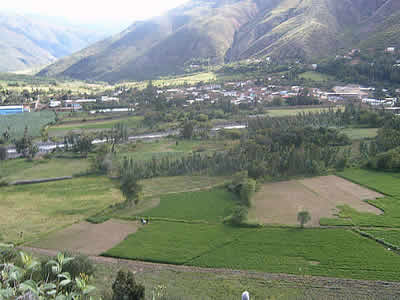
33,210
386,183
171,148
316,76
360,133
87,238
130,122
17,123
279,203
295,111
21,169
208,205
325,252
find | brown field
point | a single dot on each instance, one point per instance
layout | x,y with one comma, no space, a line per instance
279,203
87,238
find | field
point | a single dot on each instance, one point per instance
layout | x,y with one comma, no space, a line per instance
295,111
130,122
316,76
20,169
386,183
279,203
391,236
207,205
360,133
87,238
325,252
34,121
33,210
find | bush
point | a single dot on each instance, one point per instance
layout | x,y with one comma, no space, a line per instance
389,160
239,215
126,288
247,190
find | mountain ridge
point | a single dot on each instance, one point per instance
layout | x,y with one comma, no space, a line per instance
27,42
221,31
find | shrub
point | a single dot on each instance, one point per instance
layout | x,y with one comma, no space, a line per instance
239,215
125,287
303,217
247,190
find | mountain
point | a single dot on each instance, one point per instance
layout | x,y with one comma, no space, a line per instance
218,31
27,42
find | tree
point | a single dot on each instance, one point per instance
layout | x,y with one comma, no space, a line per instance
3,153
130,188
187,130
125,287
303,217
119,134
25,146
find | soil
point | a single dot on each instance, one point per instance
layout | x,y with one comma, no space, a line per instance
279,203
88,238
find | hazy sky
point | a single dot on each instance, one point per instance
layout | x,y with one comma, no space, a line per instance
92,11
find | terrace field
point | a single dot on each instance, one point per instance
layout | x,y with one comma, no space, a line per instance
279,202
325,252
33,121
33,210
284,112
386,183
21,169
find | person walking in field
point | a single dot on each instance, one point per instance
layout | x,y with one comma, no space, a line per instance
246,295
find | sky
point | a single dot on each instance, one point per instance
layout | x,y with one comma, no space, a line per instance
92,11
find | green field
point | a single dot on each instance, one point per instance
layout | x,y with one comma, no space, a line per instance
325,252
34,121
130,122
391,236
295,111
386,183
208,205
360,133
40,208
316,76
21,169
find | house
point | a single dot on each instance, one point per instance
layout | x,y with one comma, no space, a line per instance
54,104
109,99
10,110
390,49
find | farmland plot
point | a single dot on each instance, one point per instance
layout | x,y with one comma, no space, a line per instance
87,238
279,203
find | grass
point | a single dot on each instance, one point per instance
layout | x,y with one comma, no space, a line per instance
360,133
316,76
391,236
21,169
386,183
41,208
130,122
175,184
322,252
175,243
209,205
294,111
17,123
